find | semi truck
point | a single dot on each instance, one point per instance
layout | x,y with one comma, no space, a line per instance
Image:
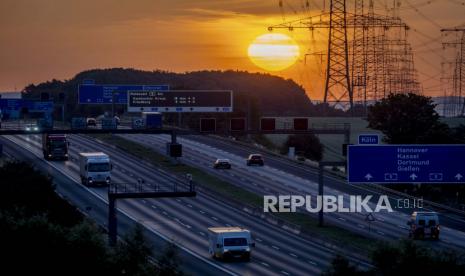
95,168
55,146
152,120
230,242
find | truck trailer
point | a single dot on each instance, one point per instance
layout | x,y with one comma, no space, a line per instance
55,146
95,168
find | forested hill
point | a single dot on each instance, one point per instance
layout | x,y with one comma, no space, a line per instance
272,95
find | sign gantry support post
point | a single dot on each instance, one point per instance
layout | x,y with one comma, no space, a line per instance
321,170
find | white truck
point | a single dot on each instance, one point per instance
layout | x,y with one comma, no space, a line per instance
230,242
95,168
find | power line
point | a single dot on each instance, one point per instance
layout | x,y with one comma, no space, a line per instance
423,15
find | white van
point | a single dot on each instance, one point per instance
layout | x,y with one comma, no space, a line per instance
225,242
424,224
95,168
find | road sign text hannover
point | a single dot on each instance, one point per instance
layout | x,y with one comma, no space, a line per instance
406,164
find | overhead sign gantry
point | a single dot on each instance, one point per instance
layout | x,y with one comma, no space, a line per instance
180,101
89,93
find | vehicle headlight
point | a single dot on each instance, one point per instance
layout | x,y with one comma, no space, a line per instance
89,179
28,128
36,128
108,180
226,250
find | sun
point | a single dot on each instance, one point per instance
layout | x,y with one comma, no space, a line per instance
273,52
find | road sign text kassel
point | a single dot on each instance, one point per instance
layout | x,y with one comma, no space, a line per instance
406,164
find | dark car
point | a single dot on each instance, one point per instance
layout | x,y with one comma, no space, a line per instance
255,159
222,164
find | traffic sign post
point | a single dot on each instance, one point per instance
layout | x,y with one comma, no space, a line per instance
321,171
406,164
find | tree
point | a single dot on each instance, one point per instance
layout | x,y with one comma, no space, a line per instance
31,191
169,262
86,242
408,258
405,258
408,119
308,146
40,233
459,134
132,256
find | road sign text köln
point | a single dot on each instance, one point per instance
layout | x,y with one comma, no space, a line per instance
368,139
406,164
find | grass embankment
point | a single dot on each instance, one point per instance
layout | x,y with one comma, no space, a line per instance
306,223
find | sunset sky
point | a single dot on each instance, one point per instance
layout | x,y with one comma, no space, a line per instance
46,39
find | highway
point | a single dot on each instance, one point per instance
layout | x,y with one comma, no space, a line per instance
184,220
282,177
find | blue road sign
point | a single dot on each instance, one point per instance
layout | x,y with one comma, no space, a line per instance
406,164
10,104
368,139
88,82
32,106
103,94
